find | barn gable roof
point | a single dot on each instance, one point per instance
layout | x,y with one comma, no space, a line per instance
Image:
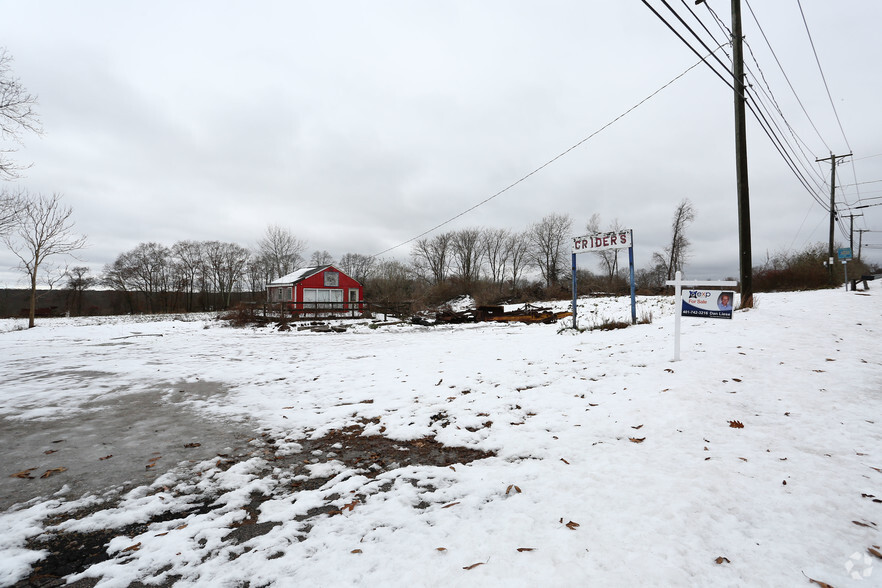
301,274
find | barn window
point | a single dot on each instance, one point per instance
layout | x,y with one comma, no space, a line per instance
323,298
332,280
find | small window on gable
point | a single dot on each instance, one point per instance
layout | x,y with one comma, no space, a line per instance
332,279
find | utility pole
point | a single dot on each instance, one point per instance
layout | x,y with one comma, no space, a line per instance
851,229
744,249
745,260
832,159
861,241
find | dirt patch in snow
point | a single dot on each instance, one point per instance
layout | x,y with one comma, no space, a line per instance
73,552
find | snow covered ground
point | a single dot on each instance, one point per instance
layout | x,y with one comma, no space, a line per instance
756,460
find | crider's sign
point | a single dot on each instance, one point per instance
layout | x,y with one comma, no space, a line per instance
602,241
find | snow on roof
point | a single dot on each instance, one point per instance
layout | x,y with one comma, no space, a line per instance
298,275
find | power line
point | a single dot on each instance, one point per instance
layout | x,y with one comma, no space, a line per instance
766,89
823,77
544,165
694,50
862,183
784,73
829,95
868,157
755,108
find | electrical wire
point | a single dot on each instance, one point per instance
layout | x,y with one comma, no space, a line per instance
766,89
547,163
823,77
827,87
784,73
751,102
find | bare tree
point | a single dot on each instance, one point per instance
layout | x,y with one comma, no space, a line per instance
432,256
321,258
549,239
609,258
494,243
44,228
227,262
78,281
358,266
468,252
188,258
518,251
392,283
11,205
258,274
676,253
146,269
652,278
17,114
282,250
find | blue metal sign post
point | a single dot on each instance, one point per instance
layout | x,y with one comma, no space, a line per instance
601,242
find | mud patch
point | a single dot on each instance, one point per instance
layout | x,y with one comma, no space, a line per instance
71,552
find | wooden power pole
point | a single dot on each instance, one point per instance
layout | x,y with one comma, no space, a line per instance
744,249
830,259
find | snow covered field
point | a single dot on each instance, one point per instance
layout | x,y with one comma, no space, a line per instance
754,461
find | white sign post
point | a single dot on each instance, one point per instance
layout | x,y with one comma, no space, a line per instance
678,284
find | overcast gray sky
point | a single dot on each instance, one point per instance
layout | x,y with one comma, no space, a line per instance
359,125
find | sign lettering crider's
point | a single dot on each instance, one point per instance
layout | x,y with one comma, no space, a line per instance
602,241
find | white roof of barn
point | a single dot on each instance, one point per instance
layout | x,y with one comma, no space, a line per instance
298,275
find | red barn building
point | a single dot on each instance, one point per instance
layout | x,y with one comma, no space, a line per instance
323,289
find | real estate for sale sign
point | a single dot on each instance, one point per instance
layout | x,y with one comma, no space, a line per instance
707,303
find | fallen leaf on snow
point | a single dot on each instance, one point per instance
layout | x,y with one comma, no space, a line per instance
722,559
522,549
134,547
191,445
58,470
50,451
105,457
736,424
819,583
473,566
449,505
636,440
572,525
440,549
637,428
565,461
874,552
24,474
355,551
860,524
